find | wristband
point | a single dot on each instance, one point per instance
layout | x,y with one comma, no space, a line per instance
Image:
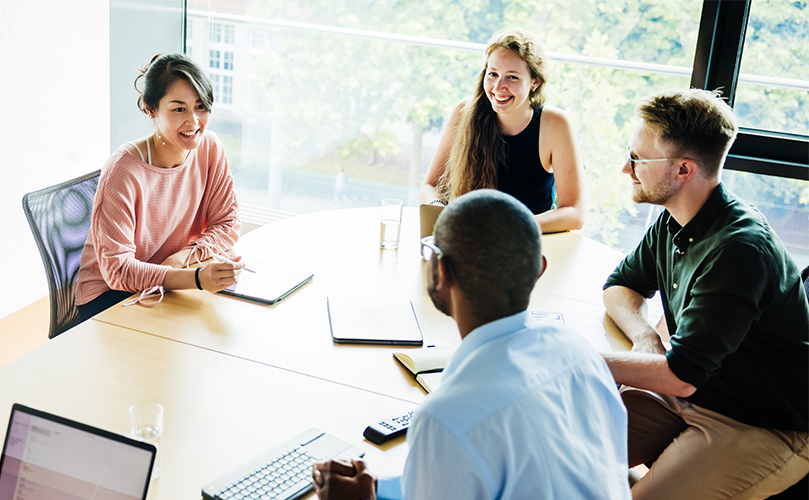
196,277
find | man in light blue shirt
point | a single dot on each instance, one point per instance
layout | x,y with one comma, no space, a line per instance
524,410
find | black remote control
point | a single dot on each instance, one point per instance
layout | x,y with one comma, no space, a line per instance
387,429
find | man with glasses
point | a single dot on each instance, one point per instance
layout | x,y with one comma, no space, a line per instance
723,412
525,410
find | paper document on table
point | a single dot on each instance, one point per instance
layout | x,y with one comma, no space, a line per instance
590,326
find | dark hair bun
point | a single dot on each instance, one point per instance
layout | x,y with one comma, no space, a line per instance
161,73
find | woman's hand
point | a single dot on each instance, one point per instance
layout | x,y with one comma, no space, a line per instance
214,277
220,275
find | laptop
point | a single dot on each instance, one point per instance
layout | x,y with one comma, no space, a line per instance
47,456
429,215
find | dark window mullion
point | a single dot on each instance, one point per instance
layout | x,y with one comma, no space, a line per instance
719,46
717,62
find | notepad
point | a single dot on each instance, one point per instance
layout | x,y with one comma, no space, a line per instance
426,364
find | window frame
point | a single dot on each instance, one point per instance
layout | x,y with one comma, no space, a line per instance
717,61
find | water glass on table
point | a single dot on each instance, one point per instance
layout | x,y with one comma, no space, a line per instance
146,424
390,223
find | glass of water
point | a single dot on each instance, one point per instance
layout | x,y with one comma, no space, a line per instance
390,223
146,424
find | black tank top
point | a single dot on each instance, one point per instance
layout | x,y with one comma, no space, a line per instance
522,175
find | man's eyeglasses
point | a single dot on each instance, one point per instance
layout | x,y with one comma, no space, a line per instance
428,248
633,161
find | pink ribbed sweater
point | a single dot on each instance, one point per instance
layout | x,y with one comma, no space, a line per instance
142,214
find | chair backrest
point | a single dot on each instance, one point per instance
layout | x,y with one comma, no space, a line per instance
805,278
59,217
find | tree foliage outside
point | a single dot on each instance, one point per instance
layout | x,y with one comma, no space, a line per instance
339,96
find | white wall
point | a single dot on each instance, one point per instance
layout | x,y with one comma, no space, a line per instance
54,119
58,62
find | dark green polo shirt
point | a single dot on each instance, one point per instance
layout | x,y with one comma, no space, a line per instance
735,308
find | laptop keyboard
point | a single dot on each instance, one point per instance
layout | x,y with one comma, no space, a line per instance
286,477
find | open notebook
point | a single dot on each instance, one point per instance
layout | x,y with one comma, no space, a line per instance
426,364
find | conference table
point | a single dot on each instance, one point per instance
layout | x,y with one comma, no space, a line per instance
341,248
236,377
220,411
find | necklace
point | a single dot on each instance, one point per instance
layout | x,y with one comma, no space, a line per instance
155,137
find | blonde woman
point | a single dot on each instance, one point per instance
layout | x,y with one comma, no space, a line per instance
505,138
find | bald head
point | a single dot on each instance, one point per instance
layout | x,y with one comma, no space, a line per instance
493,245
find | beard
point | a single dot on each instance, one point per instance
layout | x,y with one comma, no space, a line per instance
656,195
438,301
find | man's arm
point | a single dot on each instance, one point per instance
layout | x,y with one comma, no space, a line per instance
646,366
647,371
628,309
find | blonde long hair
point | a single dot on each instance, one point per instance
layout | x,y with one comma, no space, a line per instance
478,147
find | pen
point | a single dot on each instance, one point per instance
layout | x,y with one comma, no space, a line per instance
220,258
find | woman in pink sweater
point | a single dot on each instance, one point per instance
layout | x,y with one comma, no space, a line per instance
155,214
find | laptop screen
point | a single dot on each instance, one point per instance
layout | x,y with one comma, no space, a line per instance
46,456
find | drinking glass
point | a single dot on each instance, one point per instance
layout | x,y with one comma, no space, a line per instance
390,223
146,424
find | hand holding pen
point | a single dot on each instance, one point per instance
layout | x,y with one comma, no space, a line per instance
226,260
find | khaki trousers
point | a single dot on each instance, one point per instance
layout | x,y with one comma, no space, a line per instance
700,454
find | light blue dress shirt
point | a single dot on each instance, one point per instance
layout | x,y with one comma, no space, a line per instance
525,410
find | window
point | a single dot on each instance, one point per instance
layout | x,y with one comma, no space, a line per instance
258,37
215,85
214,59
395,71
229,30
227,90
216,33
772,91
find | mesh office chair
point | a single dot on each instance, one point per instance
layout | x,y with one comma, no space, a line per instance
805,279
59,217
